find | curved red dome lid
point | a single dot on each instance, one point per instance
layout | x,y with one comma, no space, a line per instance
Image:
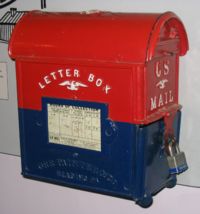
101,36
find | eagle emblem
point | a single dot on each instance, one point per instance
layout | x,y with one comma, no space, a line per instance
72,85
161,84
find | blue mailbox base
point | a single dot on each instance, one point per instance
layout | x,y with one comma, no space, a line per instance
132,163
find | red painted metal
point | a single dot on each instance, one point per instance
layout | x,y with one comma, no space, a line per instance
127,60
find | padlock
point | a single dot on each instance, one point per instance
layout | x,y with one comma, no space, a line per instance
176,158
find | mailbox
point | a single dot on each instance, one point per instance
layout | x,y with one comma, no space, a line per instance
98,100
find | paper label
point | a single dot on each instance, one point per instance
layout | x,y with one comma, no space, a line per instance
3,81
74,126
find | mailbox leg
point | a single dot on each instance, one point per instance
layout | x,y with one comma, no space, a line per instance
146,201
172,182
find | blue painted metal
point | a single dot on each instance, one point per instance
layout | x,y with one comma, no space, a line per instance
179,169
132,163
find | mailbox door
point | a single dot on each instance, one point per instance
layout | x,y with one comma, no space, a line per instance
162,83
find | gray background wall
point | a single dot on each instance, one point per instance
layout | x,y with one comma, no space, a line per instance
188,11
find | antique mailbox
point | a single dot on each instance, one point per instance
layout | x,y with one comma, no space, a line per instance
98,100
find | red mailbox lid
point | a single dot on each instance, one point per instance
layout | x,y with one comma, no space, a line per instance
99,36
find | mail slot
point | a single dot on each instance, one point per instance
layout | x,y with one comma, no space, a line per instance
98,100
